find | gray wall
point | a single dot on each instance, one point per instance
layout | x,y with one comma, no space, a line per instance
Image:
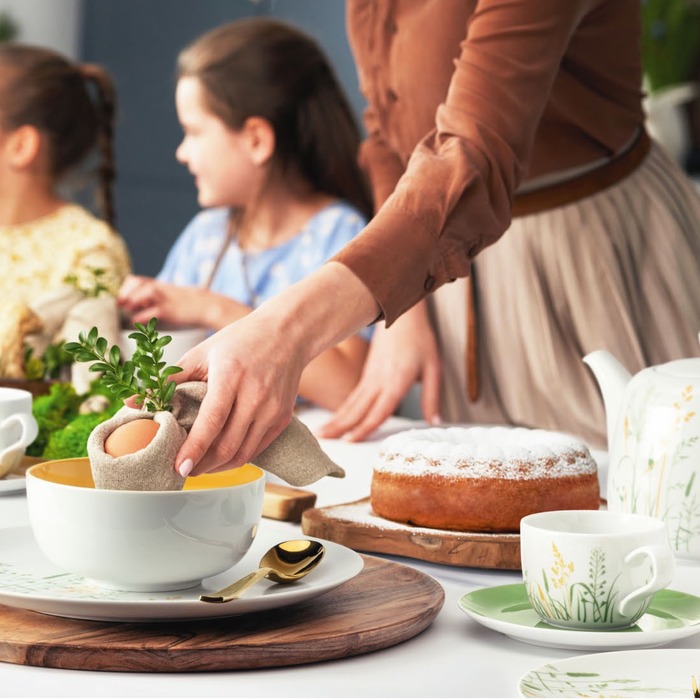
138,42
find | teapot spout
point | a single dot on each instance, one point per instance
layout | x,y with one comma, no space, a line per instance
612,379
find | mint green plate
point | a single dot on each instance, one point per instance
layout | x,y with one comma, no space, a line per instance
672,615
641,673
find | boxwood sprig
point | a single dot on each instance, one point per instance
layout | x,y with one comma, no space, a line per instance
145,375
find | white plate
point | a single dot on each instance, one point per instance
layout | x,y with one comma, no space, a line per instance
672,615
648,673
29,581
12,483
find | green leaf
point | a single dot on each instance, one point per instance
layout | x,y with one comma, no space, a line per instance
139,338
169,371
101,345
82,356
114,355
169,391
162,342
147,364
144,376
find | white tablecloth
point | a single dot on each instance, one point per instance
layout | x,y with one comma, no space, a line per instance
454,657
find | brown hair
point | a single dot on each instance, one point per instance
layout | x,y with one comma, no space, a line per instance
265,68
41,88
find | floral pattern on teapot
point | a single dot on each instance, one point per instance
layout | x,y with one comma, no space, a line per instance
653,469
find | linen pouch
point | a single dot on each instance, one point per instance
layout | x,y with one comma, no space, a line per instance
295,455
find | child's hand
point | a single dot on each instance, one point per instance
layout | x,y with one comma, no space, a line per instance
145,298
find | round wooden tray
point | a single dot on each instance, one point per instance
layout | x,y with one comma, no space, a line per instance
386,603
355,525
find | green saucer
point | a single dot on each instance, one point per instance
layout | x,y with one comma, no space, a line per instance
672,615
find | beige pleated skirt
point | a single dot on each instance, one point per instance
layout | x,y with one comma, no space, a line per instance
618,271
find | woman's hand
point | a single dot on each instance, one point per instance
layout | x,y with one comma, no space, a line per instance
398,356
253,377
253,366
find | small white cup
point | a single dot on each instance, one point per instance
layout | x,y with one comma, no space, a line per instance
18,427
598,570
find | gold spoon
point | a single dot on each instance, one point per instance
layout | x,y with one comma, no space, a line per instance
285,562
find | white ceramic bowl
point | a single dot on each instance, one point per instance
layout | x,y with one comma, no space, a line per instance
143,540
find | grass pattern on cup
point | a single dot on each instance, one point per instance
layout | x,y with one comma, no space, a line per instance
591,601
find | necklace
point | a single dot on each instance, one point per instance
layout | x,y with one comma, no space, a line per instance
252,296
253,299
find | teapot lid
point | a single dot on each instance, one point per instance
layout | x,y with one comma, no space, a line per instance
681,369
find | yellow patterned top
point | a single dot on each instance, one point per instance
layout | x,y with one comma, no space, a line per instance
36,257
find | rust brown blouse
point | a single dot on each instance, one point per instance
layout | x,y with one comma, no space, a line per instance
467,99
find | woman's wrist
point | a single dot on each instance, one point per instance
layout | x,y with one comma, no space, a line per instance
218,310
321,310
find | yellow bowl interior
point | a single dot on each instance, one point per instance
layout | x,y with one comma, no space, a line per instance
76,472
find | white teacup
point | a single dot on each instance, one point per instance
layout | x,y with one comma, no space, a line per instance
587,569
18,427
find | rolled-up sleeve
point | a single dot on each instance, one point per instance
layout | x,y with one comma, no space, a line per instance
456,193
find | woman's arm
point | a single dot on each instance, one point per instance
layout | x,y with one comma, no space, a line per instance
453,201
455,197
254,366
398,357
328,380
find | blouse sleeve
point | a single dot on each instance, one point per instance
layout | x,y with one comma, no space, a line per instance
381,163
455,196
106,252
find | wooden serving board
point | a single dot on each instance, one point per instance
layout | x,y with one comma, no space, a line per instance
286,502
356,526
386,603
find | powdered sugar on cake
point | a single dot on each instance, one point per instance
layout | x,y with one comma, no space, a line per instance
479,452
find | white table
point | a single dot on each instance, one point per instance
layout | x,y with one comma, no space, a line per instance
454,657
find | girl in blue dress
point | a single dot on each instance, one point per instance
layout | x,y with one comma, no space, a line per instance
271,142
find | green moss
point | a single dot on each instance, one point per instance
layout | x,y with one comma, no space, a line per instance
63,431
71,441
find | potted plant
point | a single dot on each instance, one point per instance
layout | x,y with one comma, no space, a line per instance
136,448
670,54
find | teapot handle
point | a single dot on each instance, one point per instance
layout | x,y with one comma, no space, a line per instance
663,565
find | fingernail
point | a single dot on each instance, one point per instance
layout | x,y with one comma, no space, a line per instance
186,467
435,420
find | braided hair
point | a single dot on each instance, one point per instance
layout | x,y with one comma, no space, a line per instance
72,105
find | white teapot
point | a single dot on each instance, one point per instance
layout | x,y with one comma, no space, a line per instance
653,422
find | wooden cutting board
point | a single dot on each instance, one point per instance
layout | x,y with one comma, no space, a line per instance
356,526
286,502
385,604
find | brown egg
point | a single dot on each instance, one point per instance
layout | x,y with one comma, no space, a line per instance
131,437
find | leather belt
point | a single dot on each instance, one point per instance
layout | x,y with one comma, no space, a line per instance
558,194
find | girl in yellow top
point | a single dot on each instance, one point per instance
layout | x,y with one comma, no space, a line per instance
53,114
